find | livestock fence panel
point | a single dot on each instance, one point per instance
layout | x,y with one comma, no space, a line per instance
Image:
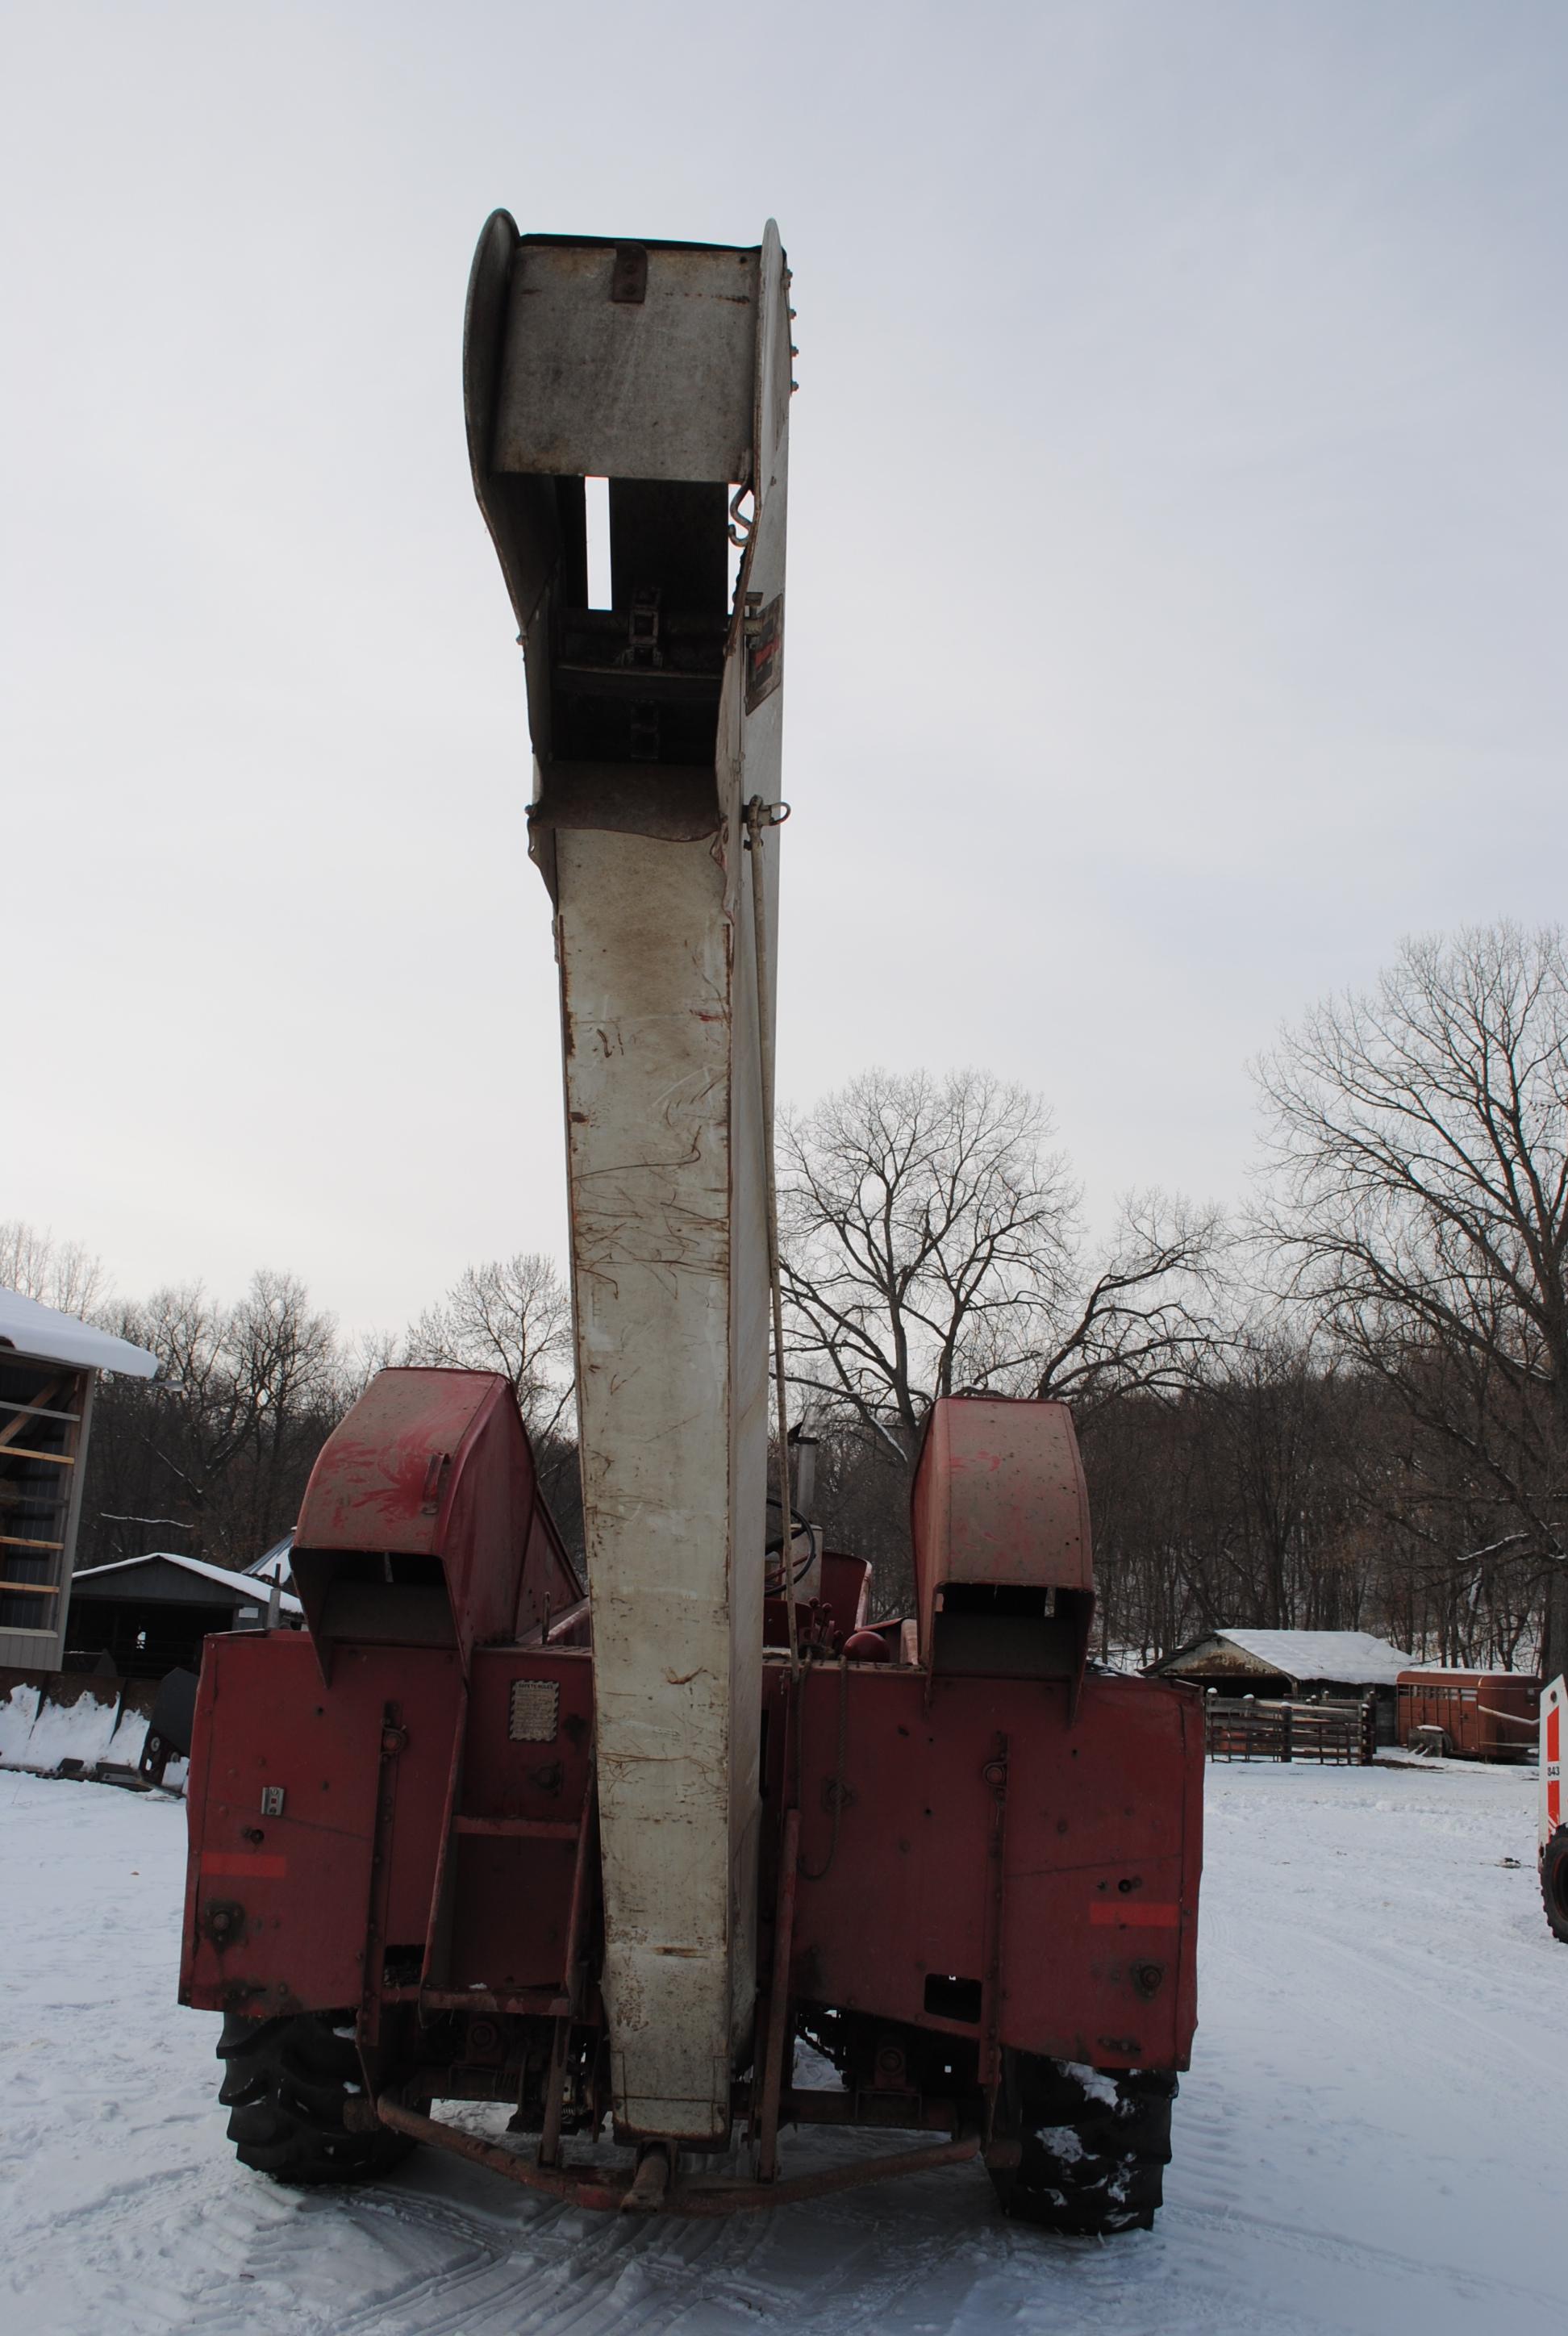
1336,1732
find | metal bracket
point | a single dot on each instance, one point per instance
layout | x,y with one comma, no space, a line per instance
628,274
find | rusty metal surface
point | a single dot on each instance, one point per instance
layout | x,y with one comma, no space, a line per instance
1000,1509
432,1466
1099,1872
778,1996
372,1486
1484,1715
303,1881
1095,1959
999,1495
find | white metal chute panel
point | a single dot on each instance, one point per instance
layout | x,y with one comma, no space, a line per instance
646,939
653,723
629,361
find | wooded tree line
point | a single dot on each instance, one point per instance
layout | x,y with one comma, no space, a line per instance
1345,1408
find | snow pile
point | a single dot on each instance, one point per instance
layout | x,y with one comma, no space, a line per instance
35,1733
1372,2138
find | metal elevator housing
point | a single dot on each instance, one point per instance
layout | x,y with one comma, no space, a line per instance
665,369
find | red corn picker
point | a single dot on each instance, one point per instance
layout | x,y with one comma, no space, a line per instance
612,1857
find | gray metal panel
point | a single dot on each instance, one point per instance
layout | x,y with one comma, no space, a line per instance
30,1651
155,1582
73,1515
599,387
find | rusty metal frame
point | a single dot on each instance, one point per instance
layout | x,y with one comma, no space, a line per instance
393,1737
996,1777
571,1983
438,1926
699,2195
778,2010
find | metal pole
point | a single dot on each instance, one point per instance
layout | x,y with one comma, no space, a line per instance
778,1999
757,823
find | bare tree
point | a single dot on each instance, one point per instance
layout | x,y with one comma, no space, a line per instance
218,1449
921,1222
1419,1141
57,1273
933,1242
1142,1312
513,1315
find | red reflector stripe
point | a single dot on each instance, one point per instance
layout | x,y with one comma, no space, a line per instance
234,1862
1553,1760
1130,1915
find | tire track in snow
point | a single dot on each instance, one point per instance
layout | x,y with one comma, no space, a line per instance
1370,1987
1483,2288
131,2255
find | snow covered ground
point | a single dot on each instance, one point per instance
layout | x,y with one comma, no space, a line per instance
1374,2137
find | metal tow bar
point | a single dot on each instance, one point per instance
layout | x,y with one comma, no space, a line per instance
703,2194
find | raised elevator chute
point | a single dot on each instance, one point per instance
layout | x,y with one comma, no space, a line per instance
477,1837
664,368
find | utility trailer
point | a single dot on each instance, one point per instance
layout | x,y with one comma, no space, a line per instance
606,1856
1467,1715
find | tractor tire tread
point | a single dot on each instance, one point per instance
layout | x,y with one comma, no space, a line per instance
1554,1883
286,2085
1090,2167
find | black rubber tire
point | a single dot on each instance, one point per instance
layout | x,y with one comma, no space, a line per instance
285,2083
1555,1884
1094,2148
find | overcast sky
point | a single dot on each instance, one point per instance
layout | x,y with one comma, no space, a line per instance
1177,605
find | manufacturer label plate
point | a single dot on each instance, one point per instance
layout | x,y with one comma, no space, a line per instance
535,1711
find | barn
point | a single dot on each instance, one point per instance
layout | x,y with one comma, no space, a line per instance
150,1614
1292,1664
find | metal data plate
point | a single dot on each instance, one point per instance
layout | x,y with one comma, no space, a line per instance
535,1711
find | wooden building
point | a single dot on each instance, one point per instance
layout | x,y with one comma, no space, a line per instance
49,1366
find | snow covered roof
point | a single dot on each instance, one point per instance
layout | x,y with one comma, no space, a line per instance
1354,1655
32,1330
245,1585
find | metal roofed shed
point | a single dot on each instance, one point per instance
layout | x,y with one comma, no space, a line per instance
1286,1662
1289,1665
49,1366
150,1614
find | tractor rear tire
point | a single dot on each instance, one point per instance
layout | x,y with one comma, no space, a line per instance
286,2084
1095,2146
1554,1883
